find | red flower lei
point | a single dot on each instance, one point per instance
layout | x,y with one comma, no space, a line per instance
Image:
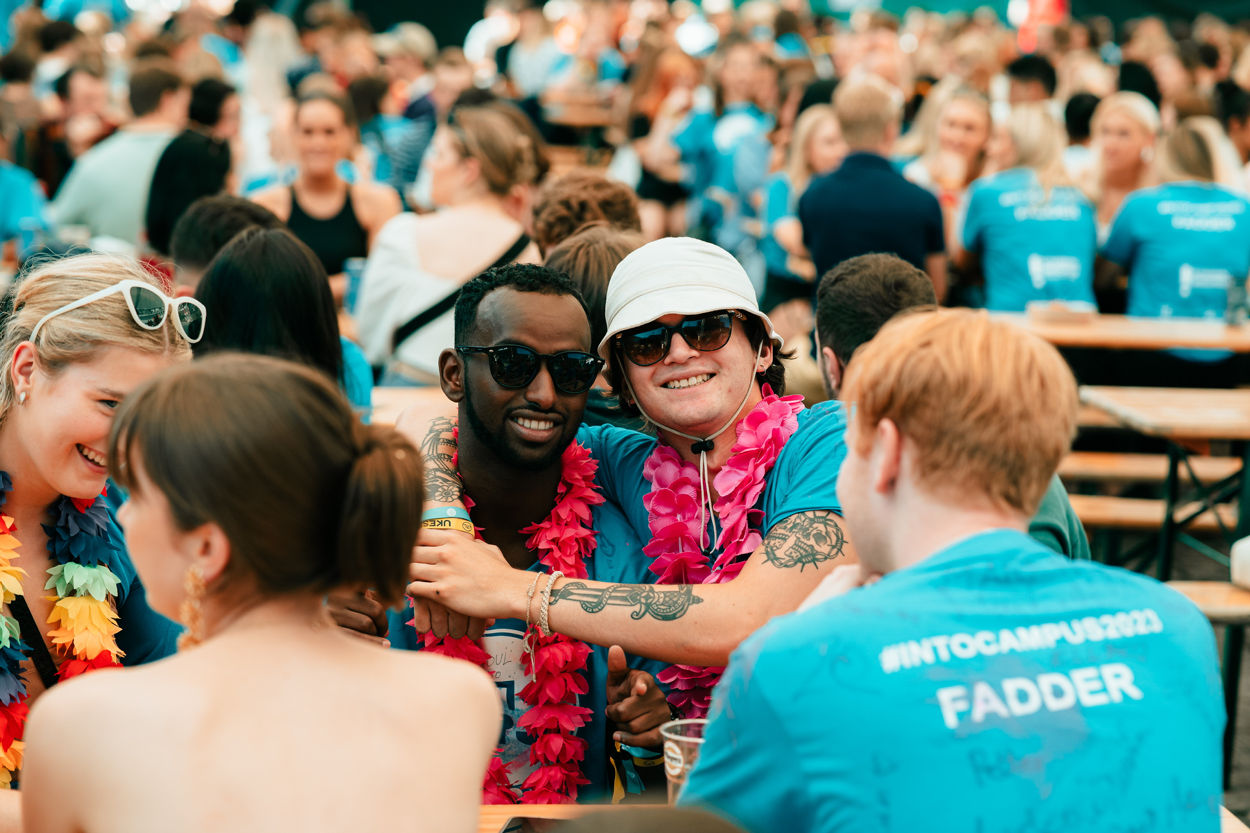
563,541
677,545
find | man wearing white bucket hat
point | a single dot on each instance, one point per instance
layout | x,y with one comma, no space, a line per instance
737,494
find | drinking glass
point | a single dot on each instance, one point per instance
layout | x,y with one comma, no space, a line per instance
682,741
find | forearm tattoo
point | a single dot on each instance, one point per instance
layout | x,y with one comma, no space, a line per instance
664,604
806,538
442,481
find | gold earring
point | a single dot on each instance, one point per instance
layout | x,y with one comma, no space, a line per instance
191,612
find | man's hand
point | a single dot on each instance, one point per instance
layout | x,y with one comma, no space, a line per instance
359,612
469,577
842,580
636,704
432,617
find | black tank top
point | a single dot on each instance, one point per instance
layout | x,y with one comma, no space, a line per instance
333,239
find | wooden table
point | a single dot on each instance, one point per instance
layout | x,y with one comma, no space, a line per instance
1124,332
1176,413
1179,415
492,818
427,402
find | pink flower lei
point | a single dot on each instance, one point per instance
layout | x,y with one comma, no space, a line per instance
563,541
679,536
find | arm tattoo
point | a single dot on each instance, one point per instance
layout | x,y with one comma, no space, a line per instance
665,605
805,538
442,481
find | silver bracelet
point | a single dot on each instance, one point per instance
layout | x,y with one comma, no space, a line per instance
546,605
529,598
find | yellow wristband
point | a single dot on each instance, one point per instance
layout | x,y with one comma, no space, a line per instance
450,524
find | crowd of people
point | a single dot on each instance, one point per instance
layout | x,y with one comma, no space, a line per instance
721,423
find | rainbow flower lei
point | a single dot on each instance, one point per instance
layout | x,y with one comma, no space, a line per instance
84,617
563,541
677,548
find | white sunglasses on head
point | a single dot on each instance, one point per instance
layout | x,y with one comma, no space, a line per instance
148,306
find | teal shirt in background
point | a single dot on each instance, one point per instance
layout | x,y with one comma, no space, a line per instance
994,686
804,478
1182,244
357,379
1035,244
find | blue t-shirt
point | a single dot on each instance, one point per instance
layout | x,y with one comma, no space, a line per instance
357,379
1035,245
615,560
804,478
22,206
993,686
780,203
1182,244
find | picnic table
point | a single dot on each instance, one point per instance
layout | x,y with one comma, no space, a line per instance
389,403
1123,332
493,817
1181,416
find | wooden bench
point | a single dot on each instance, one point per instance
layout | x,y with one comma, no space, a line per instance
1090,417
1227,605
1144,514
1113,467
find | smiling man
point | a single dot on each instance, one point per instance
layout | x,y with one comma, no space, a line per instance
519,373
735,492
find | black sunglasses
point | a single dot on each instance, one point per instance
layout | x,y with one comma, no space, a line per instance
513,366
644,346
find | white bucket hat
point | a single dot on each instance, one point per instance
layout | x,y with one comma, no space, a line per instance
677,276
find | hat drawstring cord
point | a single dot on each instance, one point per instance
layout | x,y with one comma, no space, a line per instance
701,446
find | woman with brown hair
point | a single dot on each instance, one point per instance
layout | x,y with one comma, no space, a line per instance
253,492
337,220
480,166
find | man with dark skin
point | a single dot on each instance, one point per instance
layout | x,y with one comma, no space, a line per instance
519,374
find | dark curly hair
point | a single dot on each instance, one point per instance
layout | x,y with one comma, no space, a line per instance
774,376
523,277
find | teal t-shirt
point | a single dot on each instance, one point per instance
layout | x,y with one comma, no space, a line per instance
804,478
615,560
993,686
1057,526
1182,244
1035,245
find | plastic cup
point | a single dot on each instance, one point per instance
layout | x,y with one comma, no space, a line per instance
355,269
682,741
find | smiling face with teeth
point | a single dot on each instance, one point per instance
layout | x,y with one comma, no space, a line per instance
695,391
526,428
63,428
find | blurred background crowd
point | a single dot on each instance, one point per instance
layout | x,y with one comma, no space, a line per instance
407,162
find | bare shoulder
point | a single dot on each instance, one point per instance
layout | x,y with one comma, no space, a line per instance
84,709
376,202
277,199
451,681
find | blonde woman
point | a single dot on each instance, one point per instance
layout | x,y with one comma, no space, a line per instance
1184,244
1124,128
253,492
84,332
480,166
953,152
816,148
1032,229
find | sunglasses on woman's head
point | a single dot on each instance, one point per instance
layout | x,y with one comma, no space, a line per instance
148,308
513,367
647,345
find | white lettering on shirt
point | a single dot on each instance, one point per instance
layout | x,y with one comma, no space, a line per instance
940,648
1052,691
